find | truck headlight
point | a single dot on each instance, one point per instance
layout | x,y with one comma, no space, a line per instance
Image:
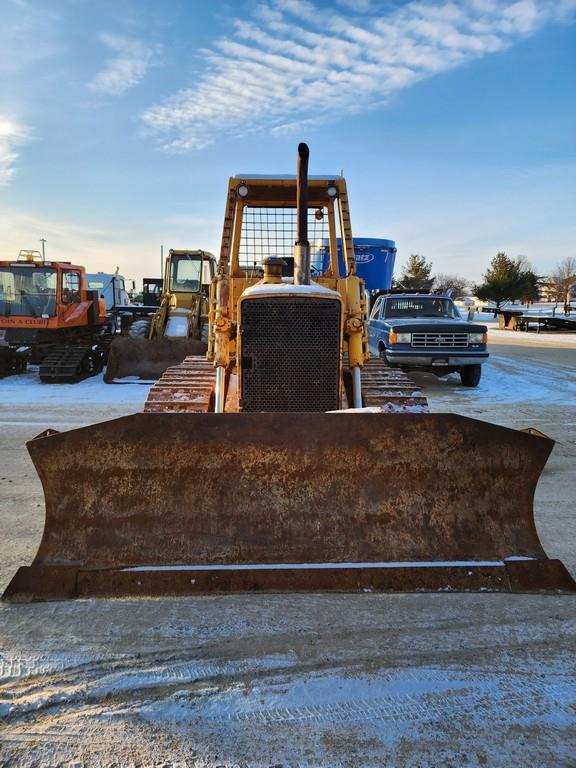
399,338
477,338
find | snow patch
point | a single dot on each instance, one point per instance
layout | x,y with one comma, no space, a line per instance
271,289
27,389
320,566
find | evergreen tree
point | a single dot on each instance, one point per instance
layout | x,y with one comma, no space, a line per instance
415,274
508,280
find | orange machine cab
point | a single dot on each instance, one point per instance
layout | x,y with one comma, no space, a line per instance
48,294
48,317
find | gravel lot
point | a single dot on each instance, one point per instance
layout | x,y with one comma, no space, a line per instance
296,680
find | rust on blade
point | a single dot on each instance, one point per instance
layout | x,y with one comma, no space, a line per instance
241,489
41,583
531,576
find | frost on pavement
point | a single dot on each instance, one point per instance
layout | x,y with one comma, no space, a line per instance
293,680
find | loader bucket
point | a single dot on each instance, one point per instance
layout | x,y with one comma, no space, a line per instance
148,359
155,504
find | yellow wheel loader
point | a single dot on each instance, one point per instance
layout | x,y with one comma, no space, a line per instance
286,459
177,329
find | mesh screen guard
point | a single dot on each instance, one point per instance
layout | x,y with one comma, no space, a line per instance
290,354
270,231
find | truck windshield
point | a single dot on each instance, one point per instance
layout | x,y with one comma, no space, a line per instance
27,291
185,273
420,306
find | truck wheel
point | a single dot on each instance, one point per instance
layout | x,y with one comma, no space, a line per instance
382,354
470,375
204,333
139,329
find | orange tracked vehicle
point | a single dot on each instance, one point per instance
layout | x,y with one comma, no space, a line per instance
48,316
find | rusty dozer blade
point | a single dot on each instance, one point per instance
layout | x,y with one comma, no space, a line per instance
155,504
148,358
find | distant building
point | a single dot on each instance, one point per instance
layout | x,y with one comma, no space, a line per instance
547,289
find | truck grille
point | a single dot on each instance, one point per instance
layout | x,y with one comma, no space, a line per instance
290,354
440,340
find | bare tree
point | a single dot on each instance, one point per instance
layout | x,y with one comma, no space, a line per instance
454,283
564,277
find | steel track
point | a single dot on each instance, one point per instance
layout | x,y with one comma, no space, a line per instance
188,388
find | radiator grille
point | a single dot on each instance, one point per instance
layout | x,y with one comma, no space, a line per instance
440,340
290,354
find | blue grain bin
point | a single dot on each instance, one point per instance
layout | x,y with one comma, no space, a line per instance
374,260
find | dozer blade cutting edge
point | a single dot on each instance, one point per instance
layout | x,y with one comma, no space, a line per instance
155,504
148,358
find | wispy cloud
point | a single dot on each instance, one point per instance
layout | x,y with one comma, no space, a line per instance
361,6
12,135
126,67
29,35
294,63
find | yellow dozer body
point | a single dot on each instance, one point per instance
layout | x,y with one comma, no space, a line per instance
286,459
177,329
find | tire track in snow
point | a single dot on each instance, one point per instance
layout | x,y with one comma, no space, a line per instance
426,695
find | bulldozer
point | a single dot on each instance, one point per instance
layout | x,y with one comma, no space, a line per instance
48,316
178,328
286,458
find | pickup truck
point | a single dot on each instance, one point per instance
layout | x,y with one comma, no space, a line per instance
425,332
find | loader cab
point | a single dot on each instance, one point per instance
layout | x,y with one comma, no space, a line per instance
188,274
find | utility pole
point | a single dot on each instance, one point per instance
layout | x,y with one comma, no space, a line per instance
43,241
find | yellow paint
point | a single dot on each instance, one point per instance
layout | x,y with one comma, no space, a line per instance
229,287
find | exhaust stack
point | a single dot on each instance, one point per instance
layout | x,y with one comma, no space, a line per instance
302,246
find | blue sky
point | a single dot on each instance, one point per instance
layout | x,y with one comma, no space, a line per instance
121,121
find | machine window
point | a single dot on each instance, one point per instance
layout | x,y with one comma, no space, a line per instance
185,273
421,306
376,309
27,291
70,288
206,273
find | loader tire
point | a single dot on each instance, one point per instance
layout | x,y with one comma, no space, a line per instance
139,329
470,375
204,333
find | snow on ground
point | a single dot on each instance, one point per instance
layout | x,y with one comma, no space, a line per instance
508,379
322,681
543,339
27,389
291,680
